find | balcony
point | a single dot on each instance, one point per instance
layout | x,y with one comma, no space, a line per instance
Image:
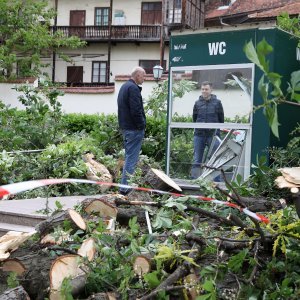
128,33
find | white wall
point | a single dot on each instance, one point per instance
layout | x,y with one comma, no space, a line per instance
234,101
131,9
78,103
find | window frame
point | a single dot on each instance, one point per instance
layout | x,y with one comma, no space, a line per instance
102,9
99,75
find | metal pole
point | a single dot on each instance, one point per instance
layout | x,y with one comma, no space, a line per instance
162,34
54,53
109,43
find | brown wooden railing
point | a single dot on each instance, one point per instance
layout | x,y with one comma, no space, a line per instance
118,33
87,84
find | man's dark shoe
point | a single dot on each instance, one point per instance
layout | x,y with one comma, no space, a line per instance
124,193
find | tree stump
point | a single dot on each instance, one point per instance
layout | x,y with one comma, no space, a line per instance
88,249
35,277
66,266
57,219
103,207
142,264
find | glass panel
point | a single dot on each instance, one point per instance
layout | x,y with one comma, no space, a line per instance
102,16
202,157
232,84
102,78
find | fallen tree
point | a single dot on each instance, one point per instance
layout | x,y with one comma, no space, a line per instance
160,245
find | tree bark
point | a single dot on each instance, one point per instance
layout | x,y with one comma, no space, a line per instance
17,293
57,219
125,214
260,205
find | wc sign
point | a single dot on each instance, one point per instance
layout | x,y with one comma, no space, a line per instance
217,48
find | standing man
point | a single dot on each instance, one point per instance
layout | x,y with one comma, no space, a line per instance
132,122
207,109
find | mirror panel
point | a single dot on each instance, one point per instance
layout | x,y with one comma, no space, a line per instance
232,84
225,152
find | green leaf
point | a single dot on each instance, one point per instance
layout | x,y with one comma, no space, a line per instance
235,263
179,206
152,279
272,116
163,219
295,86
263,88
208,286
251,54
263,49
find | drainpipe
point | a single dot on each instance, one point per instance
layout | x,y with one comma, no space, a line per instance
54,53
162,34
109,42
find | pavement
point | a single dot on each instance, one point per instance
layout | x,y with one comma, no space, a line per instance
24,214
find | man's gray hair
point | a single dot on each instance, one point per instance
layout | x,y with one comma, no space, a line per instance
206,83
137,70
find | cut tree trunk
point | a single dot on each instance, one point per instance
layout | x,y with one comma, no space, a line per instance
67,266
261,205
158,180
57,219
88,249
35,278
103,207
142,264
17,293
125,214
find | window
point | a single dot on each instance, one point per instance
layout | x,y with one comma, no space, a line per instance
173,11
101,16
151,13
148,65
99,71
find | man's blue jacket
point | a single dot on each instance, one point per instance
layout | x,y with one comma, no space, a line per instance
208,111
131,114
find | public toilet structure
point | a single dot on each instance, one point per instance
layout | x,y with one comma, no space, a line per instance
218,56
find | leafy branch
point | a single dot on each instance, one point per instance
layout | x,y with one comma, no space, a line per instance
269,84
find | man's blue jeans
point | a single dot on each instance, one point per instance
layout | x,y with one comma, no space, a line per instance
200,142
132,144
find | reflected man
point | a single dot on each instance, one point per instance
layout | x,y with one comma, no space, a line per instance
207,109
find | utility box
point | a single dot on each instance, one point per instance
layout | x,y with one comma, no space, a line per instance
217,56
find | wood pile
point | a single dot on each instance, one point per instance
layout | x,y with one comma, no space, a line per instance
68,247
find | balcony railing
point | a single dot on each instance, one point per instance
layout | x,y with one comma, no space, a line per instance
87,84
118,33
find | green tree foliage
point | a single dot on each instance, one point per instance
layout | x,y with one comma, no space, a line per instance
269,85
291,25
25,36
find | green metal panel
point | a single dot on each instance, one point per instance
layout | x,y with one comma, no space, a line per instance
261,133
209,48
283,61
226,47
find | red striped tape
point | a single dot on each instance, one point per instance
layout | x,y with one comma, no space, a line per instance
19,187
